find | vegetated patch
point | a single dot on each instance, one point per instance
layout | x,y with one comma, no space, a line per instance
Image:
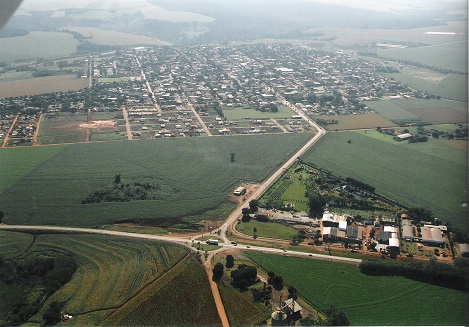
111,270
125,191
169,301
14,244
249,113
367,300
348,122
40,85
430,175
200,169
266,229
239,306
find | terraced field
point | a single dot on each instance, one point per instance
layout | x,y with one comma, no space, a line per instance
368,300
182,298
111,270
199,174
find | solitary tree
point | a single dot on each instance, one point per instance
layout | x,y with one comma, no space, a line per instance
229,261
117,179
217,271
2,214
253,205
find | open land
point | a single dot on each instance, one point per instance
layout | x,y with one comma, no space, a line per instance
37,45
40,85
385,299
389,167
77,171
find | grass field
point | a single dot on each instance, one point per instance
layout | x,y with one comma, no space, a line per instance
111,270
116,79
37,44
238,113
170,302
368,300
199,174
431,174
14,244
347,122
40,85
266,229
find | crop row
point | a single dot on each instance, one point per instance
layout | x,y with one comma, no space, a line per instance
280,189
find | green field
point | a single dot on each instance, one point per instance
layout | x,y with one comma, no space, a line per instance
266,229
170,302
347,122
114,79
431,175
452,87
368,300
392,111
17,162
111,270
37,45
447,56
198,174
238,114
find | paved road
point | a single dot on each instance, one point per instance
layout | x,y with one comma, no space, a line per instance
183,241
264,186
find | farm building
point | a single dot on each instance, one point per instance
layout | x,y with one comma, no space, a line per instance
239,191
391,229
403,137
407,233
333,234
383,237
464,249
291,308
432,236
332,220
355,233
406,222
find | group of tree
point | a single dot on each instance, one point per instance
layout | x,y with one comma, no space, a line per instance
359,184
335,317
263,294
36,278
229,261
244,276
275,280
432,272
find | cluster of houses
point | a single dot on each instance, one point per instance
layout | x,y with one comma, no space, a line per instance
18,129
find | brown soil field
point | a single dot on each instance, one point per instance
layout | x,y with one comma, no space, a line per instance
40,85
350,122
441,115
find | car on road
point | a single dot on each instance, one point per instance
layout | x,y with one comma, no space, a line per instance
310,255
234,243
248,246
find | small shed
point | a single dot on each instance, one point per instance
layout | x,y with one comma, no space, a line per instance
464,249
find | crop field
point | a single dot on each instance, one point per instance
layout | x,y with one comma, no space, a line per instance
437,111
266,229
240,308
170,302
111,270
240,113
40,85
451,87
348,122
17,162
431,175
368,300
391,110
114,38
13,244
197,174
447,56
37,45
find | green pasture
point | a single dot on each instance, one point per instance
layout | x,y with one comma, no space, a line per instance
431,175
266,229
111,270
198,173
244,113
114,79
17,162
368,300
348,122
14,244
